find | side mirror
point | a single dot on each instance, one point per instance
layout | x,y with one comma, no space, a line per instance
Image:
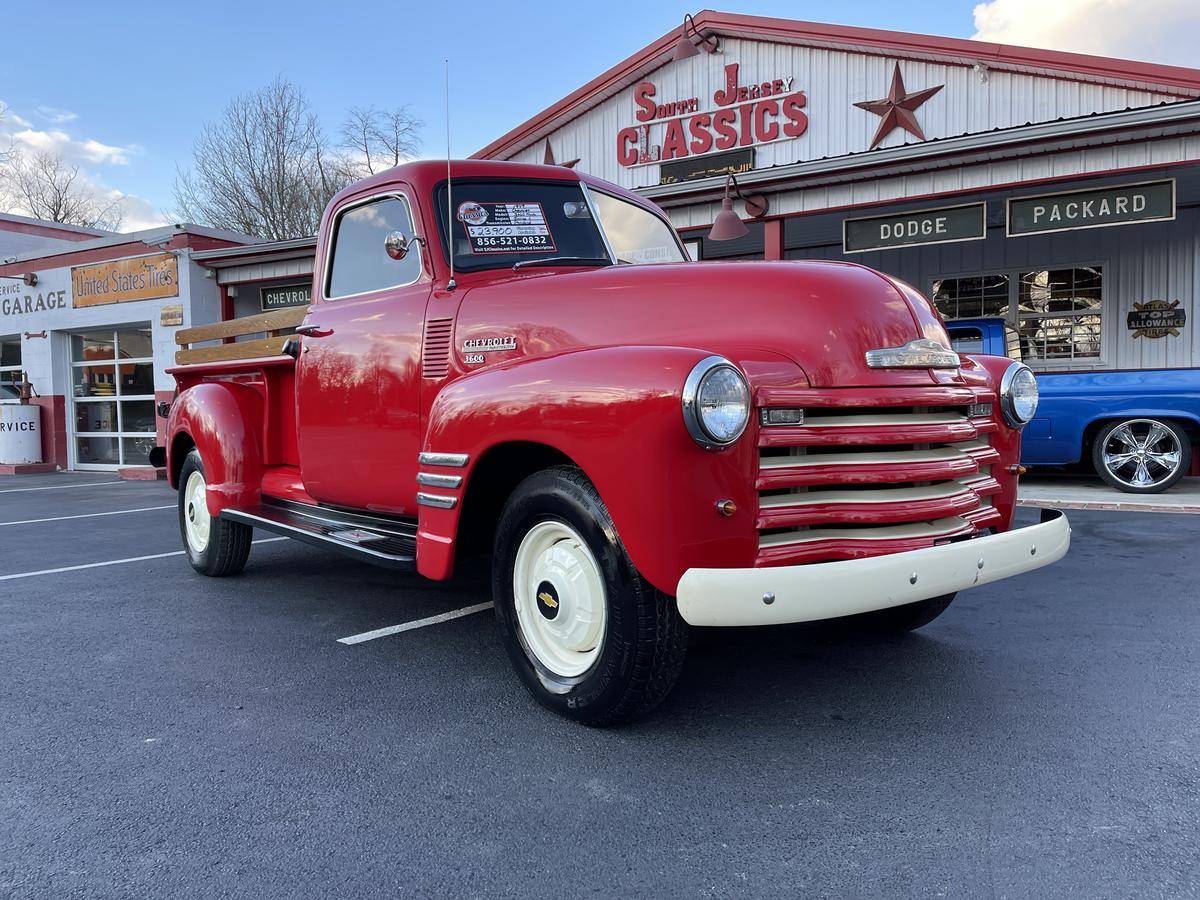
396,245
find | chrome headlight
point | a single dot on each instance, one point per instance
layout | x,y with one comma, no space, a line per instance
1018,394
716,403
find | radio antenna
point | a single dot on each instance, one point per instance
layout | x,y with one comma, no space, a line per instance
451,284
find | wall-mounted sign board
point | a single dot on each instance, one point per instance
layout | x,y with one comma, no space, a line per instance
283,296
137,278
1157,319
1126,204
947,225
735,162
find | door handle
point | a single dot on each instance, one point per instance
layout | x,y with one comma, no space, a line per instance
314,331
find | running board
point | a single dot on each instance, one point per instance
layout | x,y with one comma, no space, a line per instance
383,542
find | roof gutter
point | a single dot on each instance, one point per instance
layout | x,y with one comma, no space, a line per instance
911,156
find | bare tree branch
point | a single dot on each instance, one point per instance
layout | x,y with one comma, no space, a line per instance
45,186
265,167
379,139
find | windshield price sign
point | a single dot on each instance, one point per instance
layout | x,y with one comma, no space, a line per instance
506,227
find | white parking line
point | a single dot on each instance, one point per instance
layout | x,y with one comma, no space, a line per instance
419,623
114,562
60,487
115,512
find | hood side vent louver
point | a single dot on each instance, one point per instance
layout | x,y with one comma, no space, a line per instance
435,351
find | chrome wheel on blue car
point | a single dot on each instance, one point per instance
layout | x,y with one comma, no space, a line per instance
1142,456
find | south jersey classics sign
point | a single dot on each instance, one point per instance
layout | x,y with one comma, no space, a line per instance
738,115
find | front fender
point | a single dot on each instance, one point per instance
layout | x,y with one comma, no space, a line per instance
224,421
616,412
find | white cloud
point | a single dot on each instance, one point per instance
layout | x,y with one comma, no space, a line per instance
1161,31
61,143
137,213
89,154
56,116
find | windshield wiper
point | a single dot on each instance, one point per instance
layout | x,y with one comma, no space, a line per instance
553,260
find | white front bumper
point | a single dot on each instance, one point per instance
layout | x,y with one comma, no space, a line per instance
828,590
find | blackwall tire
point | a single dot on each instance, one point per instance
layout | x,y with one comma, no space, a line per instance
215,547
1143,455
901,619
618,649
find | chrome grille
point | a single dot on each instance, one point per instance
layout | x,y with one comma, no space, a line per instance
855,480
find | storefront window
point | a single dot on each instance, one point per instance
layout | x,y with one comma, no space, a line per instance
1055,313
1060,313
10,368
973,297
112,378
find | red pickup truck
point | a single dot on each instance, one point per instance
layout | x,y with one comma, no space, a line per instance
524,362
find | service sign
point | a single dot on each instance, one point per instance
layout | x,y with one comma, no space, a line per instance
1128,204
737,115
138,278
927,226
283,296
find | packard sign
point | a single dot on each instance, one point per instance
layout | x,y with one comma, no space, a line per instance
739,115
927,226
1152,201
138,278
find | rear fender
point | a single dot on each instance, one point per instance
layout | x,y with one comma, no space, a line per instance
616,412
224,422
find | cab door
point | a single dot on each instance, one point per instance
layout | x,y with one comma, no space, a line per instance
358,373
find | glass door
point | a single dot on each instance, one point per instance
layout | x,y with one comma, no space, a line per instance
112,398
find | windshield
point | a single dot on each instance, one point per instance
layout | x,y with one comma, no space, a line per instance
502,224
635,234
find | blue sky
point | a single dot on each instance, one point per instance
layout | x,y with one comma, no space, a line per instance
124,87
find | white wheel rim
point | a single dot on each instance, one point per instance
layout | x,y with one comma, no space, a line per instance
196,520
560,599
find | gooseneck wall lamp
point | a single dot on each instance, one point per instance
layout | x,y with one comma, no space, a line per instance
690,37
727,226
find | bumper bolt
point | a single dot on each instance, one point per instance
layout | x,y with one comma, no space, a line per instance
979,564
912,579
1033,550
768,598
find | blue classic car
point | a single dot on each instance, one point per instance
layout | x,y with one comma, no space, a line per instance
1135,427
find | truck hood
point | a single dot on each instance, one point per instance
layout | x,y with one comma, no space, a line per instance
823,316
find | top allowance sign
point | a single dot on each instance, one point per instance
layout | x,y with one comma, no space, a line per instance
1125,204
506,227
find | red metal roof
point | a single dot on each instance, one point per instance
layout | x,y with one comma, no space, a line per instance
1176,80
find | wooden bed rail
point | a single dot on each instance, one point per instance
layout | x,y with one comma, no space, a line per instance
275,324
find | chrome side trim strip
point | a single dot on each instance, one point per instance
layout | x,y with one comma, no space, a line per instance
454,460
444,481
437,500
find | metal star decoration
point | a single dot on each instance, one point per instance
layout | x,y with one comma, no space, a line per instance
897,109
548,159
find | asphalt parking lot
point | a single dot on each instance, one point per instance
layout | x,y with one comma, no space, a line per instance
164,734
